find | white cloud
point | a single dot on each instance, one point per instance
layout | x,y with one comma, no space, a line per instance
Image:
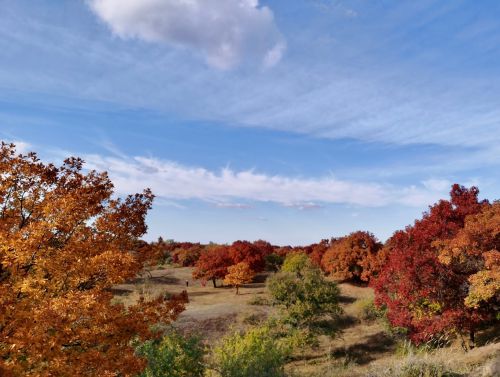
172,181
437,184
21,146
304,206
232,205
226,32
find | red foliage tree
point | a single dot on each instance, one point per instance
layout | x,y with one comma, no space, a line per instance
349,257
318,250
244,251
265,248
213,264
186,253
421,294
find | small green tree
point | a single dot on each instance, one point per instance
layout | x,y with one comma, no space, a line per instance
274,262
257,353
297,263
308,301
173,356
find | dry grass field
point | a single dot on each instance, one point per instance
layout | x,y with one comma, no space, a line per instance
362,347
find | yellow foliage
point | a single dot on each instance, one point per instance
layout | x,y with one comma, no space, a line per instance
239,274
476,251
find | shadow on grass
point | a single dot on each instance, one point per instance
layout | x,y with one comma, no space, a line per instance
345,321
204,293
363,353
261,277
490,334
169,280
346,299
120,291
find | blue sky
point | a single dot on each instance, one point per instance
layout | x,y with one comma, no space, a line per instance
290,121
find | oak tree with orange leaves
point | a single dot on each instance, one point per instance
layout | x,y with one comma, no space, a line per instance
349,257
475,252
64,242
239,274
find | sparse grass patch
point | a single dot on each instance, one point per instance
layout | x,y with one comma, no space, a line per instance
254,319
259,300
366,311
417,367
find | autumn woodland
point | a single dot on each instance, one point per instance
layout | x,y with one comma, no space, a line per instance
68,245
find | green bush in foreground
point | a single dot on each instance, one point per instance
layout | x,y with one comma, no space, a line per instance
307,300
173,356
257,353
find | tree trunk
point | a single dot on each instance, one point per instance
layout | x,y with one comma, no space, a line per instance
215,285
472,339
237,290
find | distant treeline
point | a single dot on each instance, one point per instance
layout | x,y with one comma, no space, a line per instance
439,275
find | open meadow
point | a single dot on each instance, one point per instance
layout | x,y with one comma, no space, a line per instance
362,346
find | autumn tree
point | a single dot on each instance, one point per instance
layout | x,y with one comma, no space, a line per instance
419,292
186,253
349,257
213,264
164,248
264,247
318,250
475,252
244,251
64,242
239,274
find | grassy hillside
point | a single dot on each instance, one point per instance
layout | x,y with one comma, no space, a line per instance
363,347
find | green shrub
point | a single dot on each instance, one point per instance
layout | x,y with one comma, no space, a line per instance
173,356
274,262
296,263
257,353
305,298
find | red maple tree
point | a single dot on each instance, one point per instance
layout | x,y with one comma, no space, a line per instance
421,294
244,251
213,264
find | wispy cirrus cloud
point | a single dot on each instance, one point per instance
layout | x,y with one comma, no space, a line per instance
224,31
348,91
